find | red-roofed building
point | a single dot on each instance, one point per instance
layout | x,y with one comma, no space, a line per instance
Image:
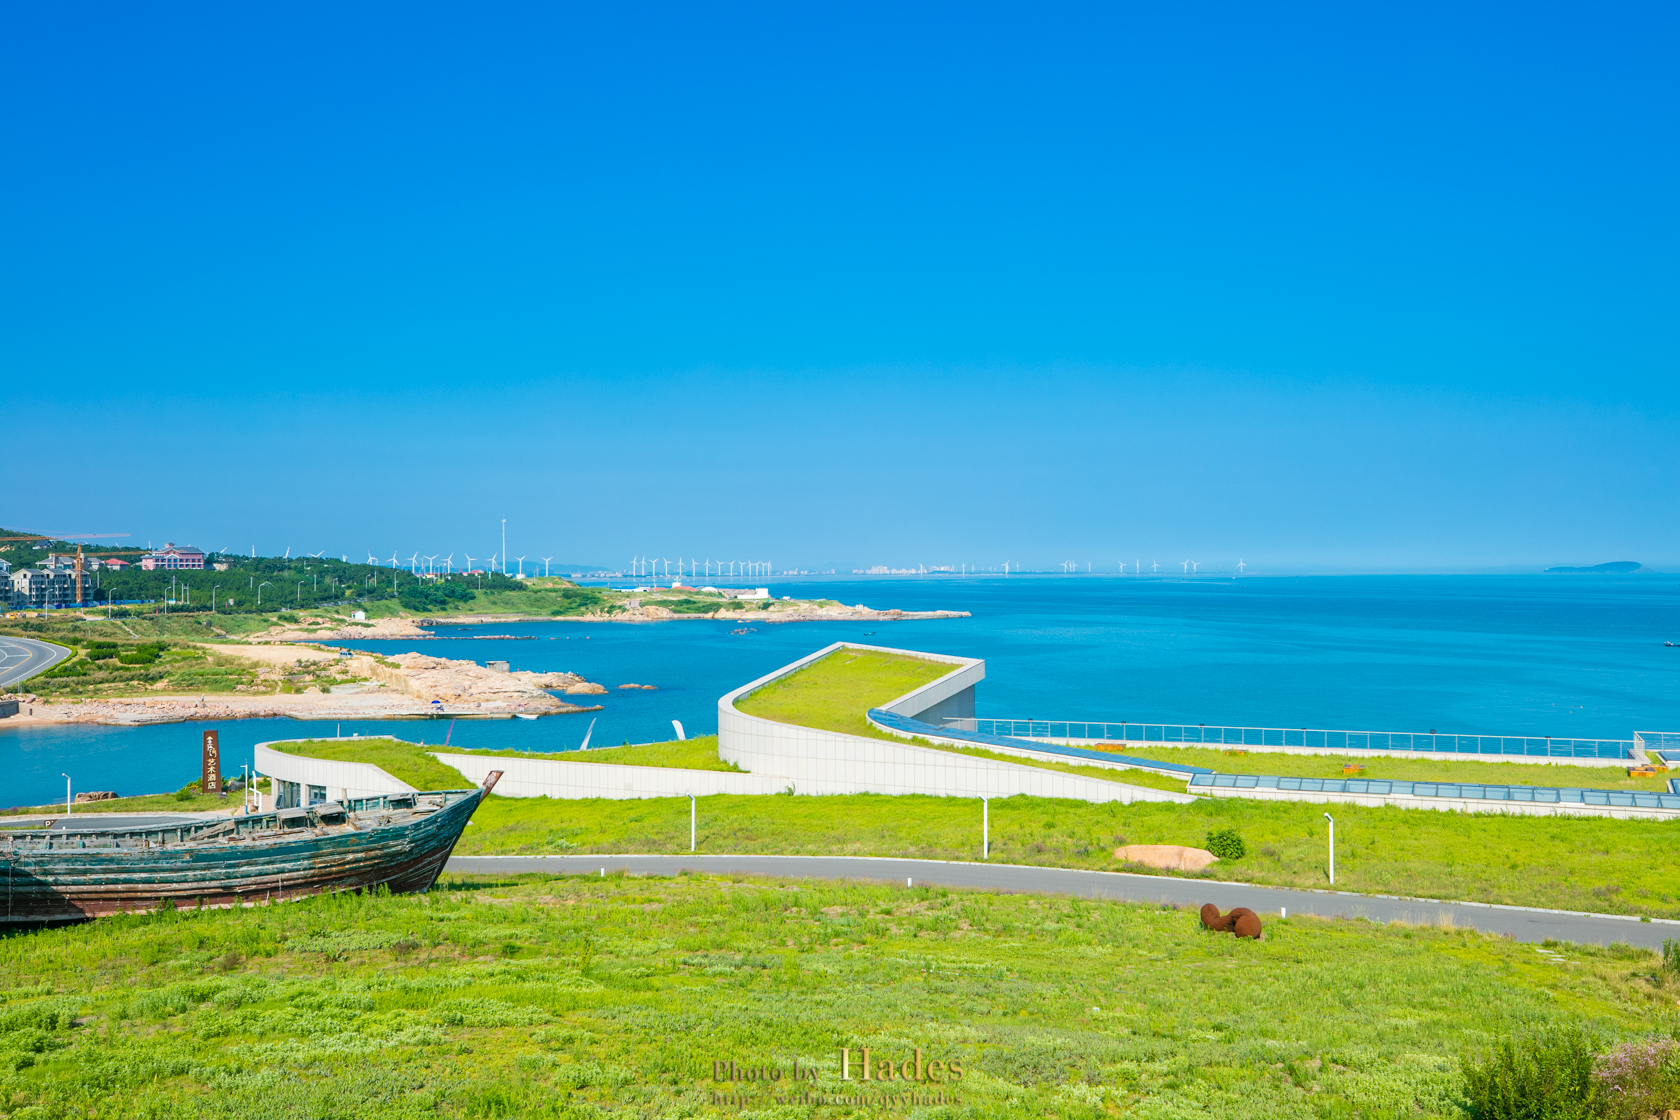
172,556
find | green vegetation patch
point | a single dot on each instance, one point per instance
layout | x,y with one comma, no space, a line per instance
689,605
1566,863
1153,779
699,753
588,997
1237,761
837,692
405,761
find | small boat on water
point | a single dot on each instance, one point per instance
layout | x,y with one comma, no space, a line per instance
399,841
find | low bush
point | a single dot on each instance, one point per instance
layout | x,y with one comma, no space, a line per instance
1638,1079
1547,1075
1226,844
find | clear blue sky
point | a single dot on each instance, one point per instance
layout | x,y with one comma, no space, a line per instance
1329,288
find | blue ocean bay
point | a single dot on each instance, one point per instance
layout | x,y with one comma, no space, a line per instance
1564,656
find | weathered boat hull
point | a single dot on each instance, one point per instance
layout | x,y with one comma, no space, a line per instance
67,882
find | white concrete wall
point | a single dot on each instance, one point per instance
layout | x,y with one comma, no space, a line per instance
341,779
830,762
554,777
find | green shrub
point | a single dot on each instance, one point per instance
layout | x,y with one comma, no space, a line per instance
1638,1079
689,606
1543,1076
433,596
1226,844
1671,956
76,668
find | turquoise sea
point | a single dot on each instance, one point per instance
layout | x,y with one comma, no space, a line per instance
1565,656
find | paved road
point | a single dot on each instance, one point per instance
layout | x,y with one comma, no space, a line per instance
21,658
1520,922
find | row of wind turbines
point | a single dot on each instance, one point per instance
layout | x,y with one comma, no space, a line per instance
1191,567
434,565
647,566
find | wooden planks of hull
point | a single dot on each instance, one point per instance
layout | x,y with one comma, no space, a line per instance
62,878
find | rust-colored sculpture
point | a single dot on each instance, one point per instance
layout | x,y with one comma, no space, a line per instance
1241,921
1212,920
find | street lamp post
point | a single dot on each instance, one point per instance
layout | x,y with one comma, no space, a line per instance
260,586
1332,821
215,589
66,794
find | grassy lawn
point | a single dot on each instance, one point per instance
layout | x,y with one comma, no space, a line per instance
145,803
698,753
836,692
407,762
589,997
1609,866
1400,769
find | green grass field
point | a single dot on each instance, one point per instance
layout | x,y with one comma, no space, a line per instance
836,693
594,997
1607,866
407,762
698,753
1401,769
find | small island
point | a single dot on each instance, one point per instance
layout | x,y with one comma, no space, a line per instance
1616,567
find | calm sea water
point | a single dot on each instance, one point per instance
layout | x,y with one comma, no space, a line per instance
1567,656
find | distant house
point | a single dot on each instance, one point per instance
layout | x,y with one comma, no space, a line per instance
119,565
172,556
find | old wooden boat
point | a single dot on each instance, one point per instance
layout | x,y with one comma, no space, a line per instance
399,841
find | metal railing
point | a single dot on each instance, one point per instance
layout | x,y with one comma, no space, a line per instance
1534,795
1303,737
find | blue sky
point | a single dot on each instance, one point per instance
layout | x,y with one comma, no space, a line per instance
1385,288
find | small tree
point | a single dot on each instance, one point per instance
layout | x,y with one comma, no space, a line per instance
1226,844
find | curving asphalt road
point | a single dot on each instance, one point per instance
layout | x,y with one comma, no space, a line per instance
22,658
1519,922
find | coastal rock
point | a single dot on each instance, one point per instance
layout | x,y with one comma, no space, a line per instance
1167,857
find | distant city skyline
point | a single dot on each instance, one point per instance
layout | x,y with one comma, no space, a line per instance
1326,289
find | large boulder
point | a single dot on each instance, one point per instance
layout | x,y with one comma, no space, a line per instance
1167,857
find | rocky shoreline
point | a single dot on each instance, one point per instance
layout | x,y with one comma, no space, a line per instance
404,686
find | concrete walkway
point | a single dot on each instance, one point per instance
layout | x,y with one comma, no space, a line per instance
1522,923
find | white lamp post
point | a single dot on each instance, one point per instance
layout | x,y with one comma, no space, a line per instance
985,829
1332,821
66,794
691,822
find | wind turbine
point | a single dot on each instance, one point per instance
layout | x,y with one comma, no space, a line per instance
546,559
372,560
449,562
1240,565
1154,566
521,560
414,564
1196,564
288,555
393,561
469,566
317,555
429,569
492,561
1186,564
